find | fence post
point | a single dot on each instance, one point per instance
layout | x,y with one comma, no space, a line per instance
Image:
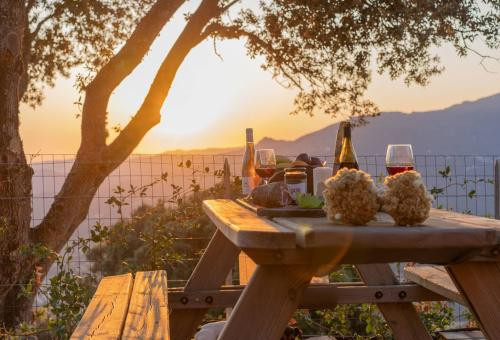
227,179
497,189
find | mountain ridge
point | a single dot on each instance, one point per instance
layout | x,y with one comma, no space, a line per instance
470,127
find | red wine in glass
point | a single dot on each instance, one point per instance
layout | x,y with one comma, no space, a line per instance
399,158
265,172
396,169
265,163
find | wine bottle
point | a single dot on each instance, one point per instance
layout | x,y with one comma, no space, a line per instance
347,157
248,175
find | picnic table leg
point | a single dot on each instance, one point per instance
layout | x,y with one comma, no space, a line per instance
479,284
401,317
210,273
267,303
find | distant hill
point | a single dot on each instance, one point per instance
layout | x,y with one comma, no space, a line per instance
469,128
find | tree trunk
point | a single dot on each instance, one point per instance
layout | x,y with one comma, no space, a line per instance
95,160
15,173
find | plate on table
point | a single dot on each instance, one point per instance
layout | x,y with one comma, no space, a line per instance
288,211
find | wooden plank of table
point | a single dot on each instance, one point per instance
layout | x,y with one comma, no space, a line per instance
435,233
464,219
401,317
105,315
347,254
245,229
210,273
267,303
436,279
479,284
316,296
147,316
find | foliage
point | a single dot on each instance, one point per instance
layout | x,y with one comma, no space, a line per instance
464,185
324,49
65,34
327,49
364,321
435,315
308,201
170,235
155,238
66,295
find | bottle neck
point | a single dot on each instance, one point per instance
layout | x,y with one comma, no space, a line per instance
249,135
250,145
250,152
248,169
347,154
347,131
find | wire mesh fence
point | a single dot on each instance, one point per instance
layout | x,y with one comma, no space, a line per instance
461,183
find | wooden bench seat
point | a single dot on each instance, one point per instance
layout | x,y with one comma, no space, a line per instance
469,334
127,308
436,279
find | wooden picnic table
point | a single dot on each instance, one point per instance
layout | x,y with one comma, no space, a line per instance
290,251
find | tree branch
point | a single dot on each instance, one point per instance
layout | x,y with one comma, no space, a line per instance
483,56
148,114
41,23
236,32
91,167
229,5
118,68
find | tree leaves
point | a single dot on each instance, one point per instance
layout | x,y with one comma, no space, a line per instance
328,49
66,34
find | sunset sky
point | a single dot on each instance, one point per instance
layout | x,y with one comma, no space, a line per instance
213,100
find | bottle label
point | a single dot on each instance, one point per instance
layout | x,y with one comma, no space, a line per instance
247,185
295,188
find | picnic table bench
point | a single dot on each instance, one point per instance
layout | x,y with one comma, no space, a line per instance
436,279
288,252
124,307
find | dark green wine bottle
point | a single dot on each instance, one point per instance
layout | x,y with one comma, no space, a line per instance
347,154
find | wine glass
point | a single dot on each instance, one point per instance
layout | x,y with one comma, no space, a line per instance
399,158
265,163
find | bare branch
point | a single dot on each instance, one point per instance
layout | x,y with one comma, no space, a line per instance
483,56
41,23
236,32
229,5
215,49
